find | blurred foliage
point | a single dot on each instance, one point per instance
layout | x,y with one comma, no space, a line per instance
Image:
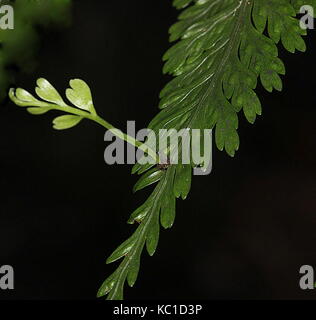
19,46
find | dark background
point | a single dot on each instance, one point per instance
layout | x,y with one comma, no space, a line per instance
244,231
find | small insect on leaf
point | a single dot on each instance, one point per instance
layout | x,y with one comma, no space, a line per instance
66,122
48,93
80,95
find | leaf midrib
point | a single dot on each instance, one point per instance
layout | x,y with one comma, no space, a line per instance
235,36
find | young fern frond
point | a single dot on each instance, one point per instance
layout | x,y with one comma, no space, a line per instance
79,94
221,53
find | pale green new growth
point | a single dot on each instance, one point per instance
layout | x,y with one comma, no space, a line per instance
79,94
222,51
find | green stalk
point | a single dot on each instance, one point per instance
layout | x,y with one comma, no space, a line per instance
96,118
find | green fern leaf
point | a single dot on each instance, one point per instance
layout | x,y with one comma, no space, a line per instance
146,233
66,122
221,53
48,93
148,179
80,95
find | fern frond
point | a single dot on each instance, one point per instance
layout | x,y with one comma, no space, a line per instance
221,53
153,212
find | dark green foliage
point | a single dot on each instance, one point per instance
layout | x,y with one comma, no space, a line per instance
221,53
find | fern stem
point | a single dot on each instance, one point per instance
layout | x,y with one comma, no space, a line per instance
91,114
117,132
129,139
